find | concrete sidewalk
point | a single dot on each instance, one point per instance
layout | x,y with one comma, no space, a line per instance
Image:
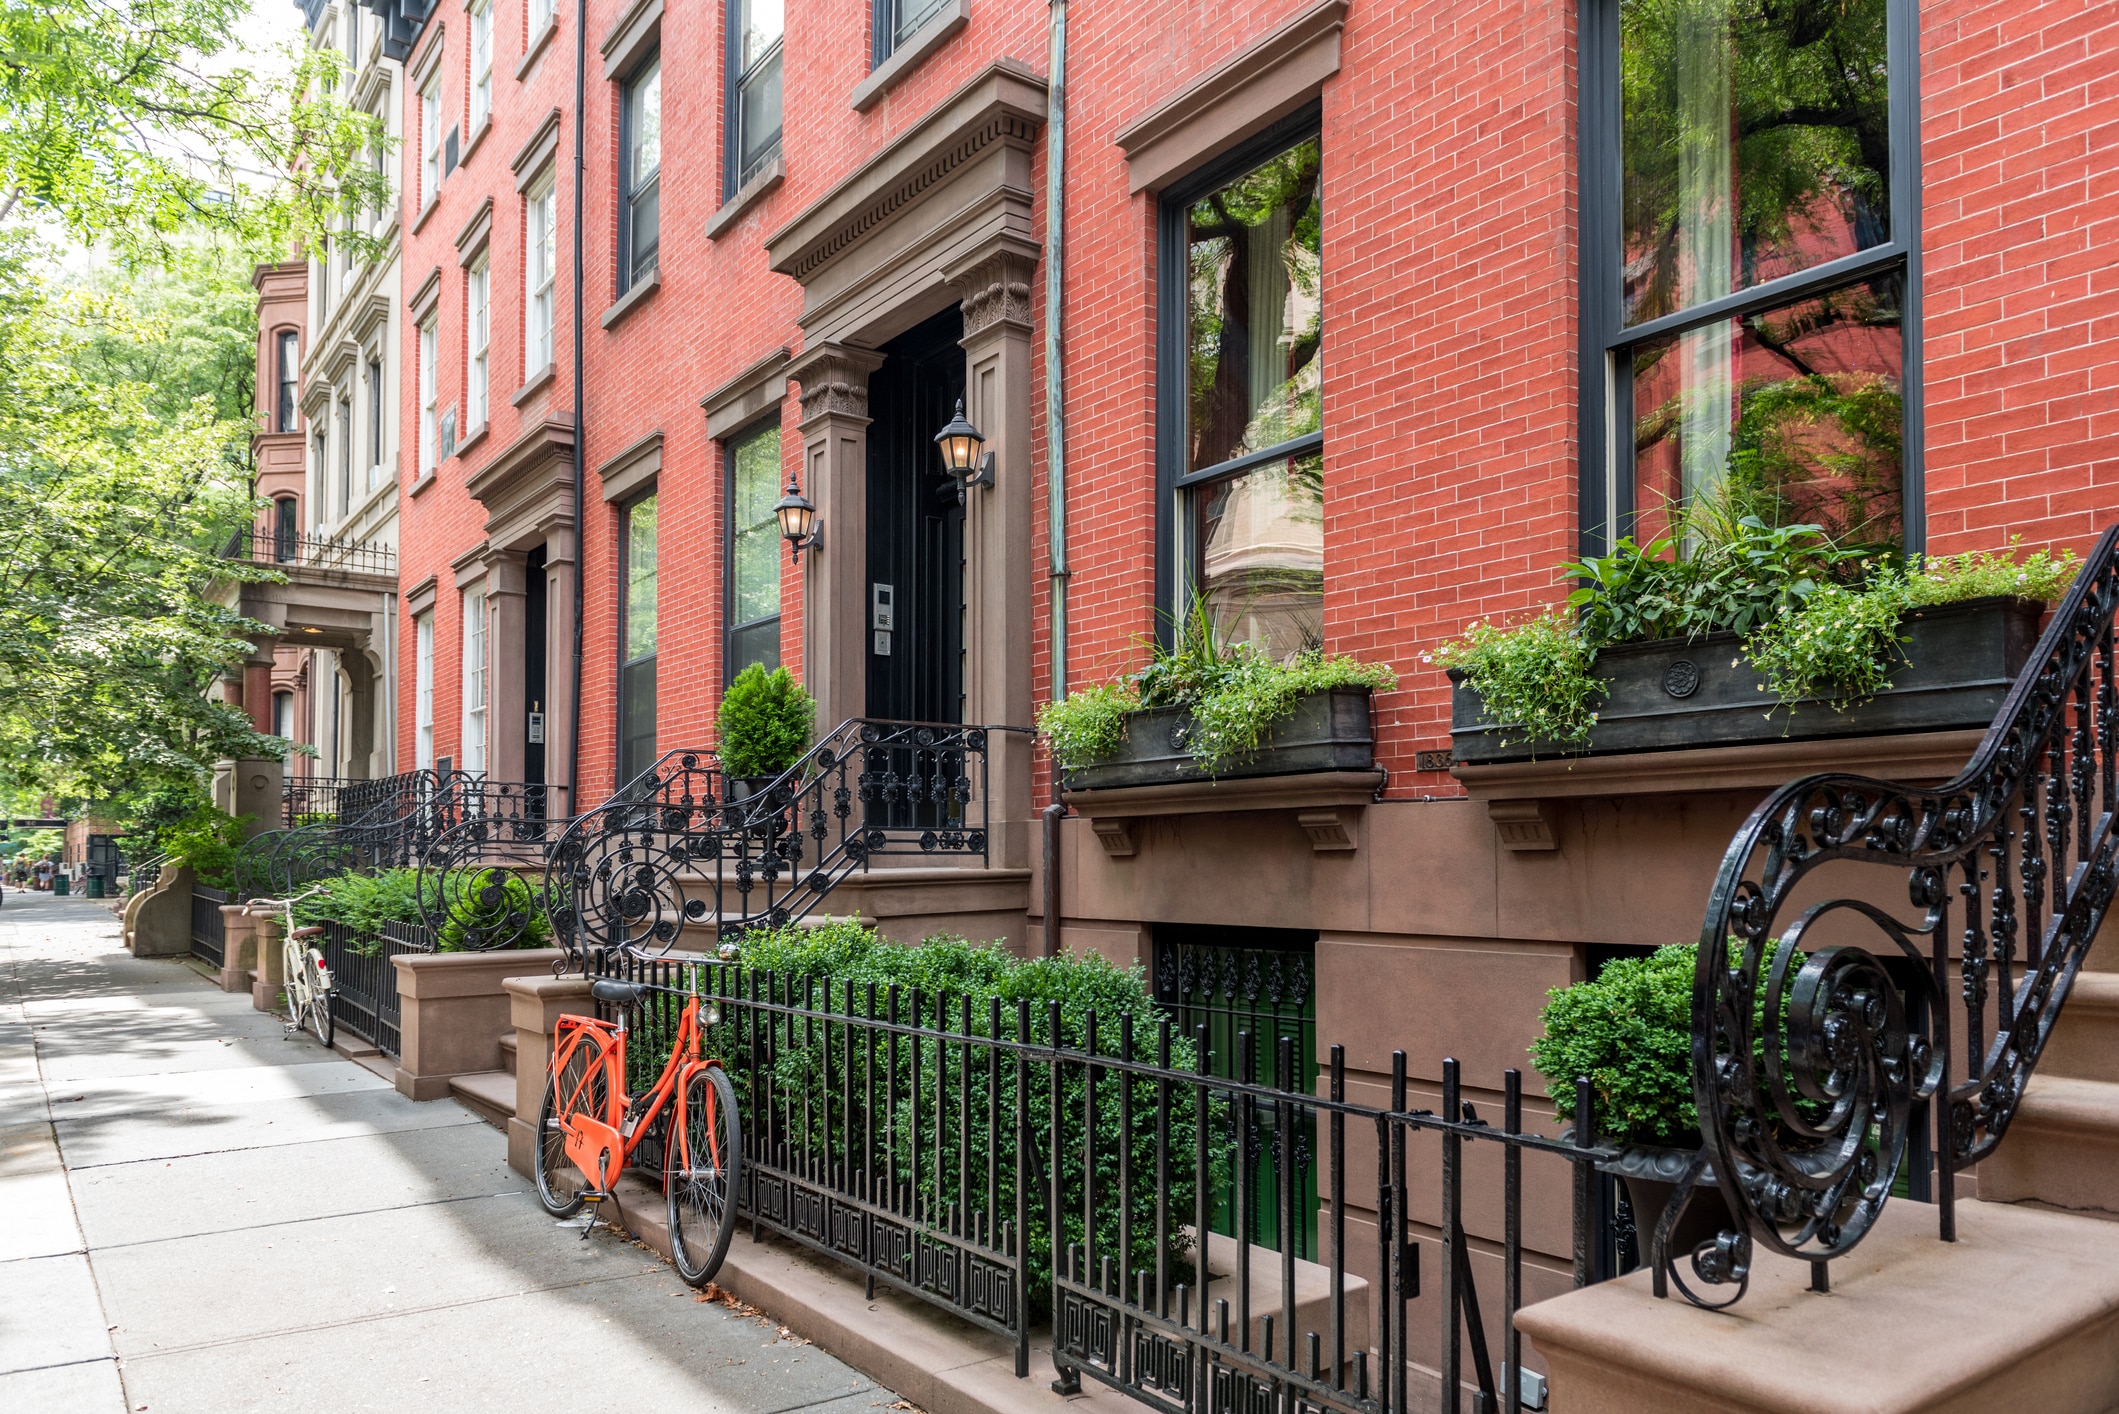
199,1215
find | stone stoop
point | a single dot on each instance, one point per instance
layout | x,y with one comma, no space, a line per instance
2021,1312
2062,1147
489,1094
943,1365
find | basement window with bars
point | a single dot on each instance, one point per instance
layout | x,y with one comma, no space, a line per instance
1247,990
1240,365
1750,299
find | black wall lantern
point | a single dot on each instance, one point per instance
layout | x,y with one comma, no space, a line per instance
799,524
960,443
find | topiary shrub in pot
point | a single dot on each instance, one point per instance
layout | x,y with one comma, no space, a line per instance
1629,1030
765,724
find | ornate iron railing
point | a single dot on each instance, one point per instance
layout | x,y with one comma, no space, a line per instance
282,547
685,846
1817,1075
480,872
934,1144
306,800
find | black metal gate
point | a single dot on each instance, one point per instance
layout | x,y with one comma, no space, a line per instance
209,929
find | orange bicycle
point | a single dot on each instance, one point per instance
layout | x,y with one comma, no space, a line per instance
589,1127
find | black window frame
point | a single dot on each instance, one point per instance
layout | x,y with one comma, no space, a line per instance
345,452
375,415
1172,367
885,30
1606,487
631,269
730,628
287,411
286,528
631,759
734,79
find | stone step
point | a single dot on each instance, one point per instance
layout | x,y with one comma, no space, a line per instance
2085,1041
507,1052
490,1094
2062,1148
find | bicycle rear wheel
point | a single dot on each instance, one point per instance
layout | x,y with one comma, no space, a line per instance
321,1020
585,1083
293,1003
704,1164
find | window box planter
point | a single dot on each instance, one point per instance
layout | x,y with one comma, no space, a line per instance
1329,731
1959,662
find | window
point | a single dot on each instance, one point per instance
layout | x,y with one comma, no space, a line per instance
753,552
345,453
475,393
481,62
897,21
537,277
283,715
429,428
1242,440
1748,221
541,14
474,743
423,692
375,421
753,88
638,220
286,529
636,634
430,140
285,411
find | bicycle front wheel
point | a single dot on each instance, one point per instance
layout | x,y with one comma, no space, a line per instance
292,991
321,1020
582,1084
704,1165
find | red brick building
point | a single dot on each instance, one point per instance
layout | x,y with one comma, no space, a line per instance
1349,301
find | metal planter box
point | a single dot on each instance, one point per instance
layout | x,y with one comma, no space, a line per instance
1958,663
1330,731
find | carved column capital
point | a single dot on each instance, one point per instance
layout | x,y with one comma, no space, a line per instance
834,379
996,289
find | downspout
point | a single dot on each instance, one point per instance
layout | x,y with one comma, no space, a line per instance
581,538
1055,431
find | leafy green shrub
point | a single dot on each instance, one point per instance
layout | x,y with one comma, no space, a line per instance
1739,574
1629,1029
765,722
1236,696
820,962
2041,575
207,841
484,901
1840,645
1534,677
364,902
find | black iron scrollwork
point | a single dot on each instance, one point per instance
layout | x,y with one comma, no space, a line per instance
1817,1075
683,846
480,869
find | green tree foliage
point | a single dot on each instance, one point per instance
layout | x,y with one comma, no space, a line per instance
206,841
116,496
132,121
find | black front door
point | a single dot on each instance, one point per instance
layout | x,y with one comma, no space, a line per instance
915,529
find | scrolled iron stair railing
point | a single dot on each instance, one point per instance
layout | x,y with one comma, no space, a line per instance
489,841
1818,1076
684,845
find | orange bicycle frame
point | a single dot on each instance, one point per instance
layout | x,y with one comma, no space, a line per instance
600,1141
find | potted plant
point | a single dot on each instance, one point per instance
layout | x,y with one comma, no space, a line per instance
1203,709
1629,1030
1733,629
765,723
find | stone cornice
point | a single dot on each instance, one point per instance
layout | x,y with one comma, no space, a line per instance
1004,104
531,159
472,238
527,488
744,398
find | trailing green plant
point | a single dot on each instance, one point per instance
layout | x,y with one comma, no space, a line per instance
1748,575
765,722
483,900
1629,1029
944,974
1840,645
2042,575
1534,677
1235,694
206,841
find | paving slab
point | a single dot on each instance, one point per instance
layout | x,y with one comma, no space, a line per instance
51,1315
88,1387
127,1137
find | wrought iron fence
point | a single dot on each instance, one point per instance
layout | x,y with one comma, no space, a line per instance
209,928
683,845
286,547
309,800
476,871
936,1145
1820,1078
364,997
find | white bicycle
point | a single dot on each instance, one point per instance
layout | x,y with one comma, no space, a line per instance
306,989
